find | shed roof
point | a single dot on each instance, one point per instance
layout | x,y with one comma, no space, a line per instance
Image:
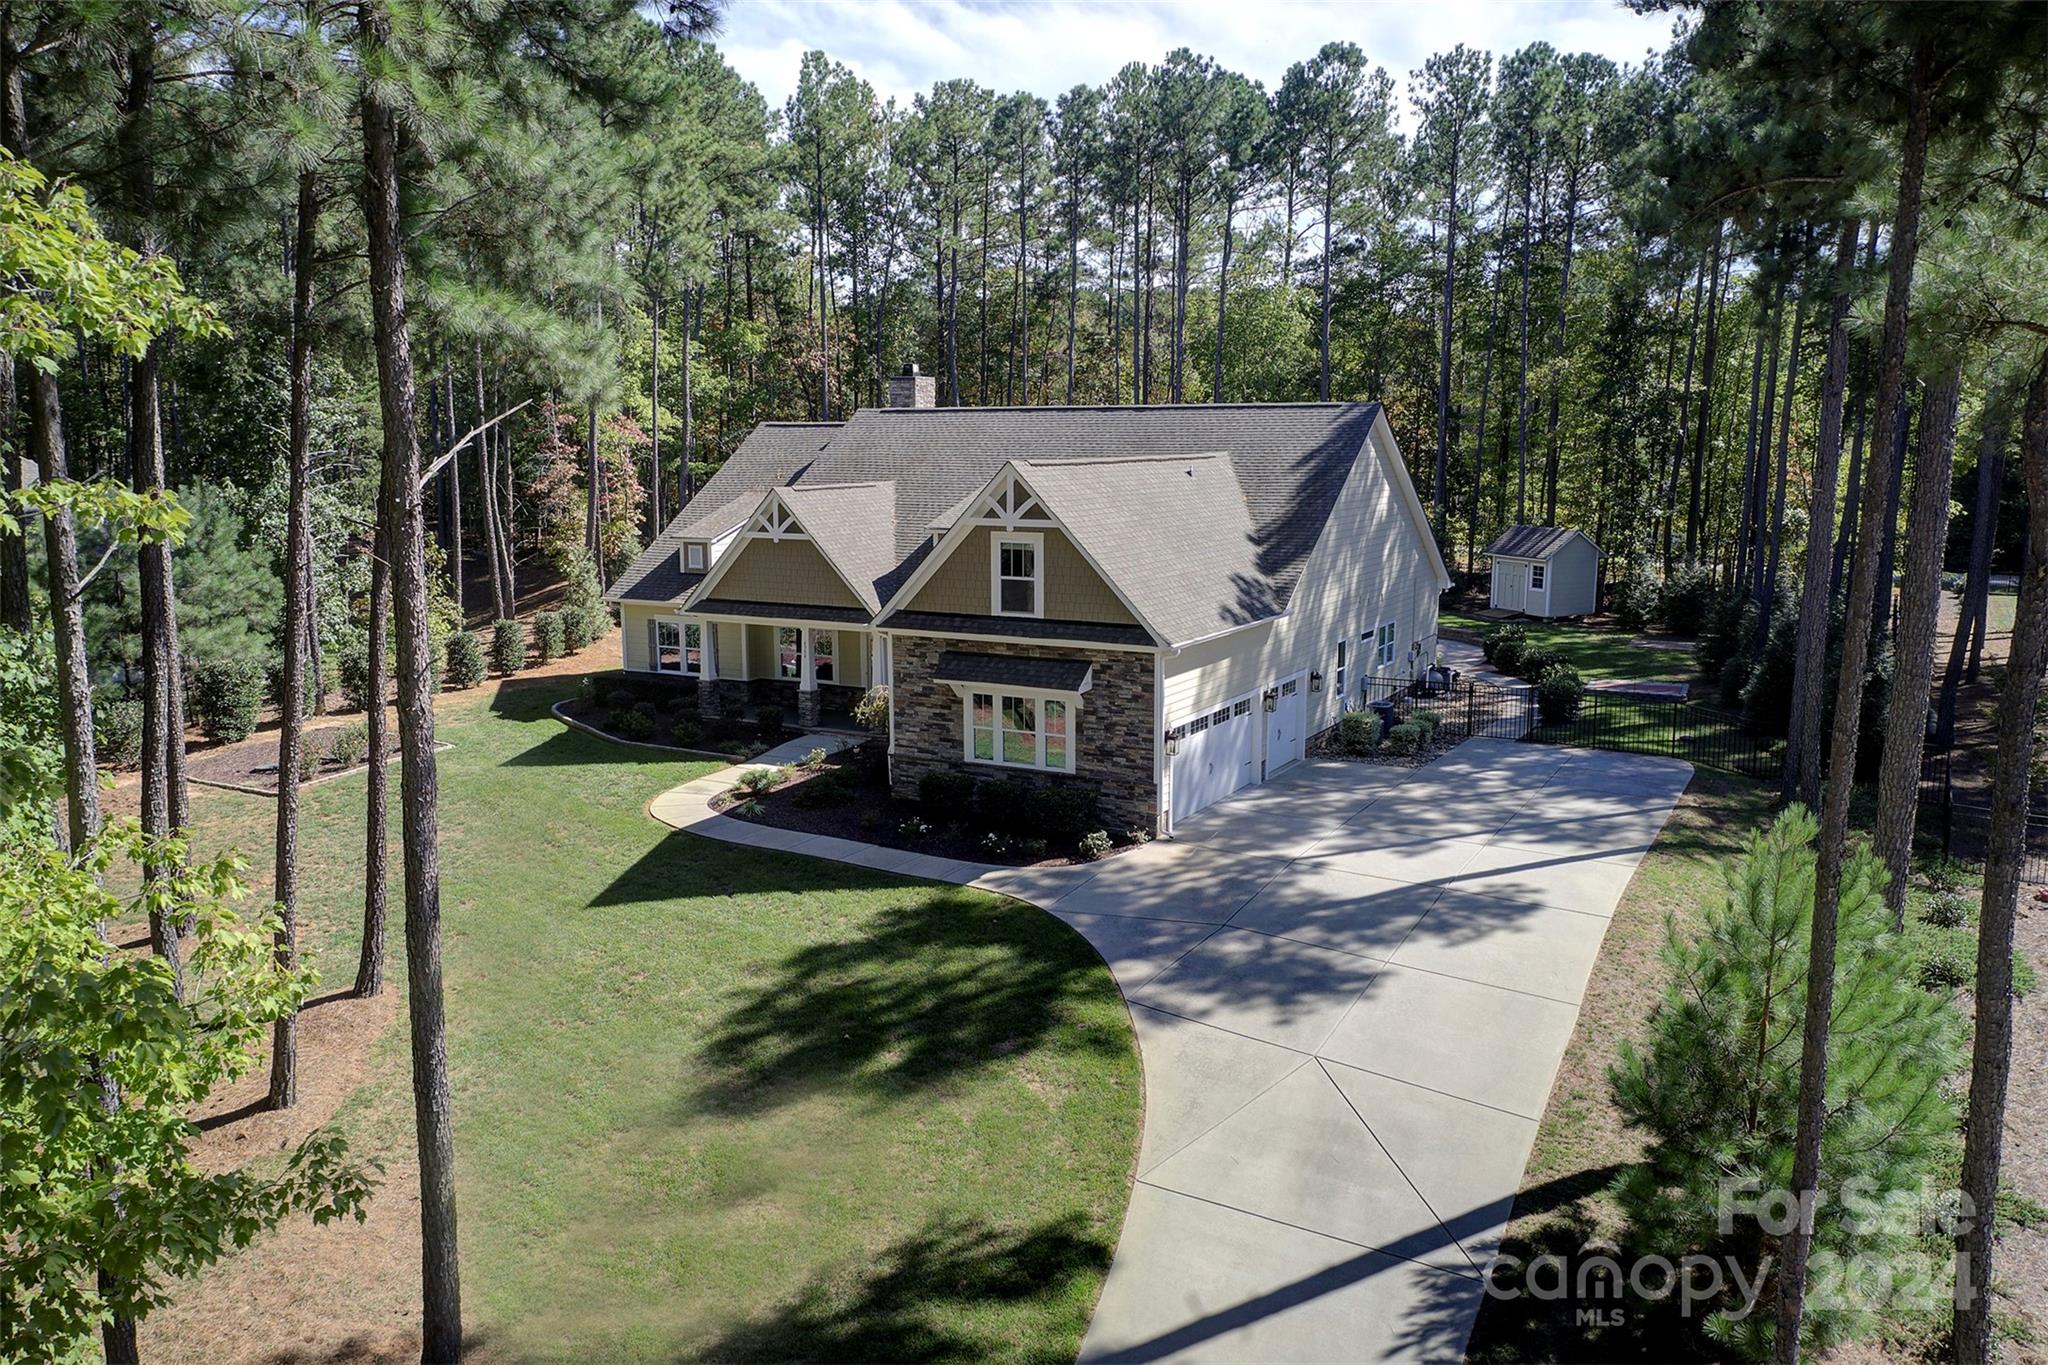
1009,670
1535,542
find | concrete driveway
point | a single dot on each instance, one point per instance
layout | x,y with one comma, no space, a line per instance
1352,989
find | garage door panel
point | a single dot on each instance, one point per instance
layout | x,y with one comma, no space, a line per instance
1215,758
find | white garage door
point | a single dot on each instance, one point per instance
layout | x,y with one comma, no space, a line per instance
1215,758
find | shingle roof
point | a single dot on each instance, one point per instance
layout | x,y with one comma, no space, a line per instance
852,524
1024,627
1006,670
786,611
773,453
1534,542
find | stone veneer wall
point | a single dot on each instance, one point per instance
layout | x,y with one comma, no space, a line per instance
1114,733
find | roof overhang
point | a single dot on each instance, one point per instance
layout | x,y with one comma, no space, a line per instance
1016,672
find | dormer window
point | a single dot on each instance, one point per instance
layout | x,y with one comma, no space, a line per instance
693,557
1017,573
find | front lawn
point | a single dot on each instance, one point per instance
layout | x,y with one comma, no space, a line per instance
1595,653
711,1102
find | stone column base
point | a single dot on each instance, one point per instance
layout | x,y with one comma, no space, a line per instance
809,709
710,704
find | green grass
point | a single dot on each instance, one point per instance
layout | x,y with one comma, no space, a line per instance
1701,735
1595,653
718,1103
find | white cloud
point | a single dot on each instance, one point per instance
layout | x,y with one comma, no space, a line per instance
904,46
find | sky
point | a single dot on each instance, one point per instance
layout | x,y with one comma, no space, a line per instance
1049,46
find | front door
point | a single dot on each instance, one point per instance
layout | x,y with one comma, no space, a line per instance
1284,724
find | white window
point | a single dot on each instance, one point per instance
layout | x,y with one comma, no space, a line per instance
1536,578
668,647
1384,640
821,654
1340,669
693,557
789,652
1017,573
1020,731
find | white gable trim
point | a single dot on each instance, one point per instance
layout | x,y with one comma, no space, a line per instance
983,510
773,520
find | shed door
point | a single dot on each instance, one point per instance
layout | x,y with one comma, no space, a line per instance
1215,758
1510,580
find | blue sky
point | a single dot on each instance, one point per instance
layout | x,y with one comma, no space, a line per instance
902,46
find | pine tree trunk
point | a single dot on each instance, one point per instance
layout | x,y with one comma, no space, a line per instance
693,307
1991,1052
1801,778
1796,1245
67,614
1564,285
1968,645
1500,260
1223,297
1522,387
1323,328
654,520
455,522
298,539
441,1318
1695,526
376,875
487,499
15,612
1905,729
1074,282
1440,485
1770,597
1888,544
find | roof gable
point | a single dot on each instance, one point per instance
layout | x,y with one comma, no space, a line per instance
1535,542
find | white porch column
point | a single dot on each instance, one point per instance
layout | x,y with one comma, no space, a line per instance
710,701
807,708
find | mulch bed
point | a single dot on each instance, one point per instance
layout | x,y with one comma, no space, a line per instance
863,809
732,738
1329,746
251,765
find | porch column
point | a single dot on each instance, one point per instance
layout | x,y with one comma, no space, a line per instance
709,705
807,708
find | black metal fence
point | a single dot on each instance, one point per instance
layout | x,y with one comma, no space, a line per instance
1664,727
1961,820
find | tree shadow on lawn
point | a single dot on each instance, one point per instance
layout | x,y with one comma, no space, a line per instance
922,1298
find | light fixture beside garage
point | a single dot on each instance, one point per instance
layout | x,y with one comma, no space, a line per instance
1172,744
1315,682
1272,699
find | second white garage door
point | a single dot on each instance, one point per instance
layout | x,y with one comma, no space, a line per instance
1216,756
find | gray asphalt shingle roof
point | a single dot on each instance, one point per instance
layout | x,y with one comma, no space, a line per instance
1006,670
1533,542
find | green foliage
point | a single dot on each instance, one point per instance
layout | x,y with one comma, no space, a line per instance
31,744
1686,601
1633,597
226,697
1092,845
352,672
582,593
1405,739
1714,1088
946,794
633,723
116,729
548,636
1559,694
577,630
871,712
768,721
1724,636
508,647
465,659
1359,731
1535,661
113,1187
1767,688
1503,645
758,781
351,744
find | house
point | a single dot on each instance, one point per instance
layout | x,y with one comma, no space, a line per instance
1545,571
1163,603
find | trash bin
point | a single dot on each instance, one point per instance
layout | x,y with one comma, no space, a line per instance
1385,711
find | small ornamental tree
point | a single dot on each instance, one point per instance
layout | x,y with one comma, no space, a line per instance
465,659
547,635
577,629
101,1204
1714,1088
227,697
508,647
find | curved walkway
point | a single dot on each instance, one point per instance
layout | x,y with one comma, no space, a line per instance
1352,987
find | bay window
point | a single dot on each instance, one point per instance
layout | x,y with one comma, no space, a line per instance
1020,731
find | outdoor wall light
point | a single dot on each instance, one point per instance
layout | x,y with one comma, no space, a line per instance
1315,682
1272,699
1172,745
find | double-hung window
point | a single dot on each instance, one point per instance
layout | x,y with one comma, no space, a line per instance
789,658
1017,568
679,647
1340,668
1020,731
1384,640
822,642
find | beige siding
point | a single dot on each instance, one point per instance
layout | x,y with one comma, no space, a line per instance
783,571
1073,590
1369,567
633,620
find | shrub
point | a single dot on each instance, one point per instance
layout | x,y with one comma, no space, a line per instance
577,630
1093,845
465,659
1359,731
117,730
312,753
548,636
634,724
834,788
686,734
227,697
582,593
1063,812
1536,661
1005,803
871,712
946,794
508,647
1717,1098
1948,960
1633,597
768,720
1429,721
1686,599
1723,635
1131,838
813,759
1509,637
351,744
353,676
914,828
1559,693
759,781
620,698
1405,738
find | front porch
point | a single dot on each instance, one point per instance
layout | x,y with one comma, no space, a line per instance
816,670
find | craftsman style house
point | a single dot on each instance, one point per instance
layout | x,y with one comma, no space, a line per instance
1165,603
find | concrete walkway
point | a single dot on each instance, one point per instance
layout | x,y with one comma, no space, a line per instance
1352,987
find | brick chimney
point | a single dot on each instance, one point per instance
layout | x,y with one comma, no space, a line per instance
912,389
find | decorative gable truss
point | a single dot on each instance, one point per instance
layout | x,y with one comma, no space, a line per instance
1011,505
773,521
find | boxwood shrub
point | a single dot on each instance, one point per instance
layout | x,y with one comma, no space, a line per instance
548,636
465,659
226,697
508,646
